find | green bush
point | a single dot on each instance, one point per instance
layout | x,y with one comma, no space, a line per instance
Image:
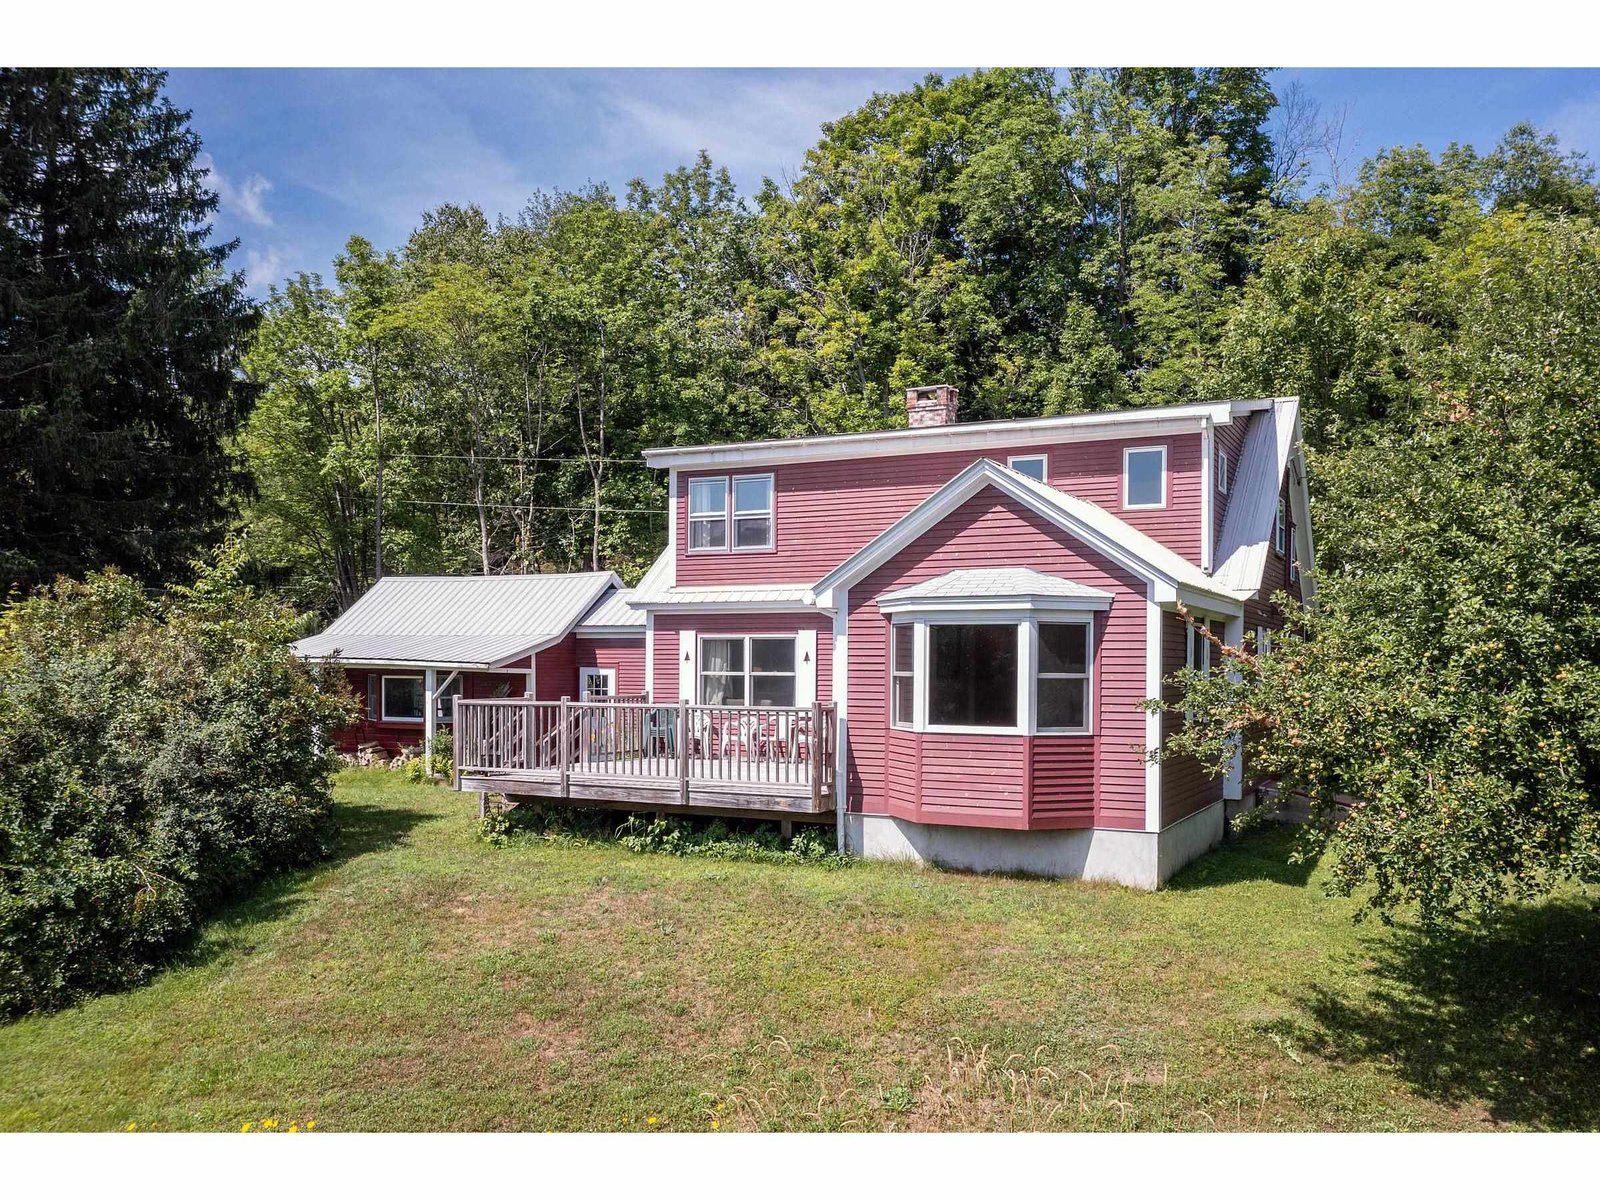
156,757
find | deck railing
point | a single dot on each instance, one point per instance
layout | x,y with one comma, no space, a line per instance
631,740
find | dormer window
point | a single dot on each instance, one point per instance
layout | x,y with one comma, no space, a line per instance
1144,477
708,514
1222,471
1034,466
744,502
752,512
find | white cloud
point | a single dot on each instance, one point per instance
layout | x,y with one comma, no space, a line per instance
246,199
263,268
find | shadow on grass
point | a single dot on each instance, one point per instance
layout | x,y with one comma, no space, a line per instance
368,828
1504,1013
1260,856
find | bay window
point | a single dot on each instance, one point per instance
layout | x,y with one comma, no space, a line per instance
749,670
994,674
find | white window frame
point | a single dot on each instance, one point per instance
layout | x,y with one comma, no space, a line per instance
909,673
727,525
1280,527
749,671
1026,622
383,699
1087,675
1294,561
1042,459
770,513
1222,470
1263,640
1127,478
608,673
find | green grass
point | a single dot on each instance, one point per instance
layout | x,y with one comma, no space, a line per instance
424,980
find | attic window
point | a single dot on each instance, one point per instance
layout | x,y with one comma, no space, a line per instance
1034,466
1144,477
1222,471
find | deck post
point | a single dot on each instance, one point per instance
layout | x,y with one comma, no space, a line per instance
814,757
683,752
566,749
455,742
429,679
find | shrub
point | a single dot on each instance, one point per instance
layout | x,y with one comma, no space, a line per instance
684,837
156,757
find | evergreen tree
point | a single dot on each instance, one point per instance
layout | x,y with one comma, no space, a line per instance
120,330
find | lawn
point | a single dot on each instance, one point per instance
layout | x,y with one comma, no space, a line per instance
426,980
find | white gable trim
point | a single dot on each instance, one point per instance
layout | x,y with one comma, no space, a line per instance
986,473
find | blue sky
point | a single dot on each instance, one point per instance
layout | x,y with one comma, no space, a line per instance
305,158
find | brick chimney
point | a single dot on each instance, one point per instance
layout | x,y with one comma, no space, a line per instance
929,406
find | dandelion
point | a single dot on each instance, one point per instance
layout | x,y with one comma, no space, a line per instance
715,1124
245,1128
310,1125
294,1129
650,1120
270,1123
132,1125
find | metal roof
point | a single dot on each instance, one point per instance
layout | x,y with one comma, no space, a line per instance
614,613
1253,507
996,583
728,595
457,620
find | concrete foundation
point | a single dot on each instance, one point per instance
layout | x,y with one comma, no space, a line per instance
1126,856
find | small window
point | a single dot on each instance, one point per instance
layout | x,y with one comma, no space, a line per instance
1199,650
597,683
1222,471
1280,526
1034,466
1263,640
708,514
1063,677
752,512
972,675
1144,473
374,691
902,701
403,698
1294,563
443,707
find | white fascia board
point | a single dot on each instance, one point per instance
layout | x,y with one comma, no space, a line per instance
612,631
403,664
977,435
1300,490
1203,602
1009,604
690,605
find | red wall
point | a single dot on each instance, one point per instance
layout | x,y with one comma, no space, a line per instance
669,625
394,735
623,655
1230,438
555,670
825,511
996,779
1186,786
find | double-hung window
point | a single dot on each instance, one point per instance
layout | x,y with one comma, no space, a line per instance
403,698
752,512
1062,677
1144,477
902,673
708,513
1280,527
757,671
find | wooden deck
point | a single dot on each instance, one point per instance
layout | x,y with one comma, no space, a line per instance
628,753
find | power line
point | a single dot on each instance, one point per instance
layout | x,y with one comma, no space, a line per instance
577,508
519,458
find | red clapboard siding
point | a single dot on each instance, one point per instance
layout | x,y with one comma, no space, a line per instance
1063,782
1186,787
625,656
991,528
669,625
826,511
394,736
555,674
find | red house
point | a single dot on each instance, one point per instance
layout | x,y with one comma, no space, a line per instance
940,638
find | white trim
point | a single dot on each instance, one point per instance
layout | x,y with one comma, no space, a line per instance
1087,728
1208,448
1223,469
650,655
970,435
383,699
1016,604
689,517
805,667
682,602
1233,781
1280,526
1100,530
770,512
1127,479
1044,476
430,720
1152,719
841,705
688,665
610,632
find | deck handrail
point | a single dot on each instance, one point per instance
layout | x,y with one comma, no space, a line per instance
718,745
